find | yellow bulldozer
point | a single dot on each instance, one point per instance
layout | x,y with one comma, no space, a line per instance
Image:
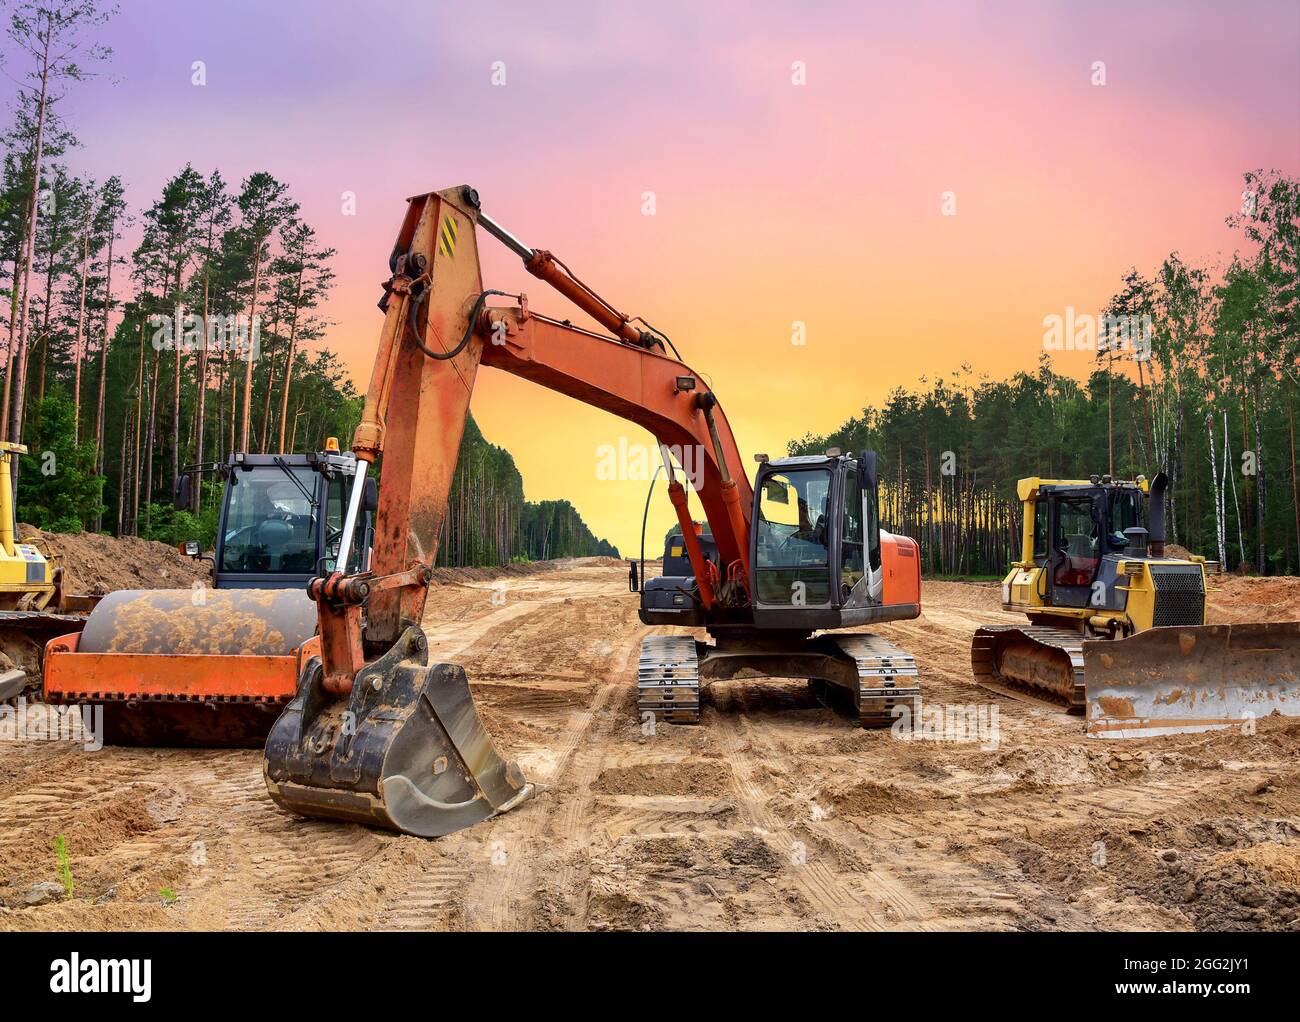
1117,629
33,606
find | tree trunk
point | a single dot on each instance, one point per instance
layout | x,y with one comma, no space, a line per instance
81,332
103,374
248,353
151,437
196,494
18,366
139,398
1295,489
288,357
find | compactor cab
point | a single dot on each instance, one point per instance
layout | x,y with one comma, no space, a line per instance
215,667
282,518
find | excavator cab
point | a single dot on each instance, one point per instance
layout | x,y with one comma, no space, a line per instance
818,556
819,560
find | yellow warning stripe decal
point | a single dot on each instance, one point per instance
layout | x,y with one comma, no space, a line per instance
447,238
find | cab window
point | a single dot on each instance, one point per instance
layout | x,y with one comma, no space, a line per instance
335,507
851,558
1076,542
1040,532
792,562
270,521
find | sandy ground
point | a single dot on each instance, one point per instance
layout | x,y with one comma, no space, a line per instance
775,813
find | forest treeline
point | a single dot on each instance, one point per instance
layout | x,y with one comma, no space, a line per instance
1201,383
124,363
489,522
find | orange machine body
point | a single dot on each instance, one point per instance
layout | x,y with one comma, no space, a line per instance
900,557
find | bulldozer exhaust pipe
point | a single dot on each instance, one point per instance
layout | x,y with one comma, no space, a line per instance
1156,515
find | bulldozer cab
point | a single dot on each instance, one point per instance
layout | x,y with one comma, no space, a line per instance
1079,530
281,519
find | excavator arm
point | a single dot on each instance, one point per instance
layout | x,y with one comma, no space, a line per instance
375,733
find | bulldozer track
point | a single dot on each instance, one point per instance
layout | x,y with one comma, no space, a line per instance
983,655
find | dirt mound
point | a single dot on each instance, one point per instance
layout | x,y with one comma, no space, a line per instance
96,564
870,798
967,595
1235,598
705,778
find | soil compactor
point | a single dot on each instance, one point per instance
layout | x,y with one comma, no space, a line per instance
1117,628
215,666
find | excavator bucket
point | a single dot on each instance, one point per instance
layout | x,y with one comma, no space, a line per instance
208,667
405,750
1187,679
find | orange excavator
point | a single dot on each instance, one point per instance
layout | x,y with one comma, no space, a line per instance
375,732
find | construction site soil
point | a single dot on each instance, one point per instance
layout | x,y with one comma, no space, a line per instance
775,813
94,564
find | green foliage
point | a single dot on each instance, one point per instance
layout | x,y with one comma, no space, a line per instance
57,487
65,866
168,525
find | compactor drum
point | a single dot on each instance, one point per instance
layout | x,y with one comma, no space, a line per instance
176,667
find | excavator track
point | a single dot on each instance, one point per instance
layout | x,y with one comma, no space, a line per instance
1031,660
887,678
668,679
880,676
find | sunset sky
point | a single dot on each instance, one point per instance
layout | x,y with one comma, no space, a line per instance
775,202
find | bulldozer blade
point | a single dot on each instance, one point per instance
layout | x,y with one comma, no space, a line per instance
405,750
1186,679
13,683
23,636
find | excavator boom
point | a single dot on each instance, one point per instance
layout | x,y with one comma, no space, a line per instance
376,732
